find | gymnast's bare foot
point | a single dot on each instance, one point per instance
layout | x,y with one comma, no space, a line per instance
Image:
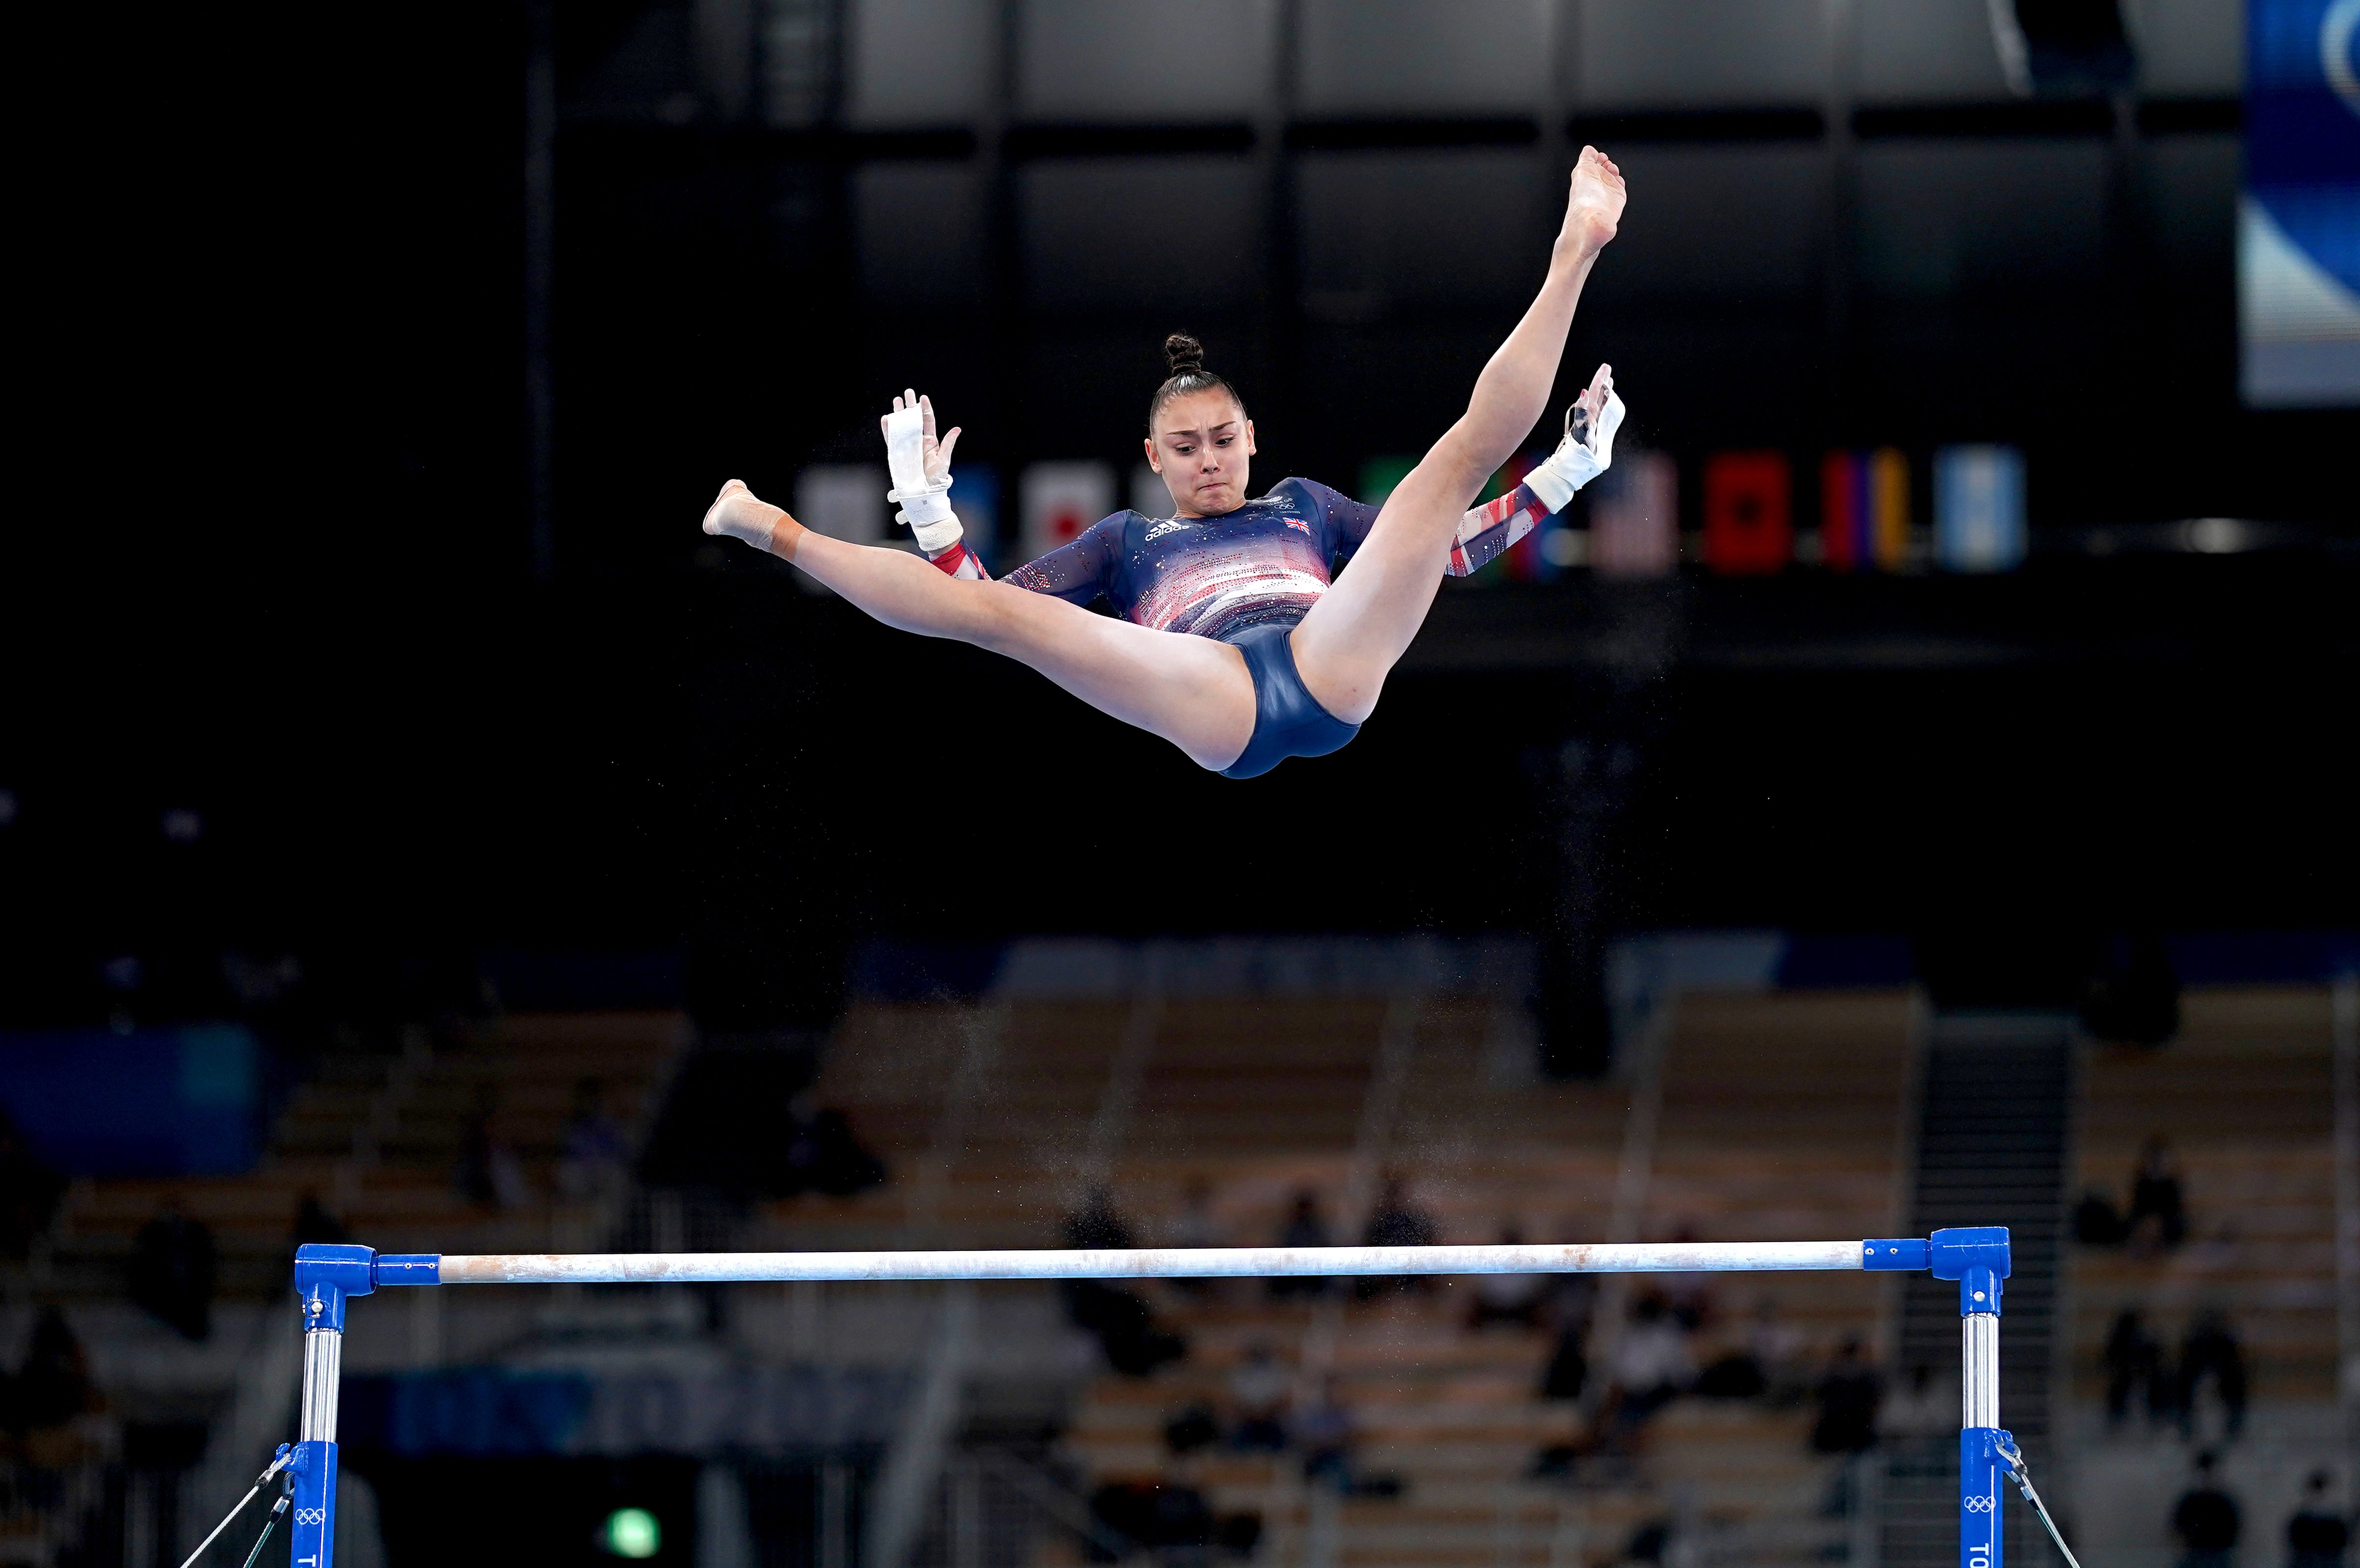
1594,208
742,515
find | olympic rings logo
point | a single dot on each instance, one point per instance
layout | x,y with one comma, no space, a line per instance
1979,1505
311,1516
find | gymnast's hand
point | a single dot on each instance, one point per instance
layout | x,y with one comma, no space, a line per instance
1593,210
937,453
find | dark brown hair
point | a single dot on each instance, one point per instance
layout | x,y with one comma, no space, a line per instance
1186,355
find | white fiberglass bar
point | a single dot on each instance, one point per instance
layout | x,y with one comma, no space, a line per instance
1147,1262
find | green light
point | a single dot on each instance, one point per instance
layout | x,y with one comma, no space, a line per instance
631,1532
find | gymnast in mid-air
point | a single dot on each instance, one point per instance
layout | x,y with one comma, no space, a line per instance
1232,642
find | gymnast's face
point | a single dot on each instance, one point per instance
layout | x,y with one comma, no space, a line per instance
1202,446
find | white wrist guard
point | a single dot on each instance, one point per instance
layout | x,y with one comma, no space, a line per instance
1576,463
925,504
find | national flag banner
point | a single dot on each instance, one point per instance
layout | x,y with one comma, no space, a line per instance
1844,511
1888,501
1634,516
1749,525
1978,522
1059,500
974,500
1864,510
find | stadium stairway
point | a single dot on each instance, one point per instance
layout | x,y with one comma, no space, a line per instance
1995,1123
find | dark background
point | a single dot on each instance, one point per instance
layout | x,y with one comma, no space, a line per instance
277,562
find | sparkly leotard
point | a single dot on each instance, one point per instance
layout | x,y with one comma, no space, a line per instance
1264,564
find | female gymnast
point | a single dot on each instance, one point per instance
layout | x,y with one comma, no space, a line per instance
1233,644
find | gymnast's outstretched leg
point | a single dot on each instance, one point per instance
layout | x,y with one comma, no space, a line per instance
1352,637
1193,692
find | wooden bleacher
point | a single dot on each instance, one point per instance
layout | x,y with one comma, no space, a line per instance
1781,1118
403,1197
2246,1097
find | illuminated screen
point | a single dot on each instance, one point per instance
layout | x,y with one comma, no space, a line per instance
2299,221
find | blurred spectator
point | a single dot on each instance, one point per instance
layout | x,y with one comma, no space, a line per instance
593,1158
1569,1364
1777,1347
1572,1303
1097,1226
2133,1363
822,1155
1651,1542
2316,1536
1651,1363
1329,1433
54,1385
1735,1375
1125,1328
1923,1406
1195,1226
1754,1369
1194,1428
488,1172
1395,1222
1259,1386
2206,1521
1304,1228
315,1226
1847,1396
2158,1214
2211,1351
2096,1220
172,1271
1689,1296
1171,1517
30,1192
1515,1299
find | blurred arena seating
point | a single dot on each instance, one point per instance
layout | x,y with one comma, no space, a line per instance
1749,1118
1192,1114
2245,1099
2244,1096
377,1135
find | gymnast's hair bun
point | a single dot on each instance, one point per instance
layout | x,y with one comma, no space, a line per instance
1185,355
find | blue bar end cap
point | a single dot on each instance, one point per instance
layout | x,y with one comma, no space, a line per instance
327,1272
1978,1258
407,1268
1889,1253
1953,1252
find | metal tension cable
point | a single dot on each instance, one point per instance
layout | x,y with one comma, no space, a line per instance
2014,1458
285,1455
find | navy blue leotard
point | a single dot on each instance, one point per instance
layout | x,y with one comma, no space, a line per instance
1245,577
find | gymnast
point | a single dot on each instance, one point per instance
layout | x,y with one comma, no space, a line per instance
1233,644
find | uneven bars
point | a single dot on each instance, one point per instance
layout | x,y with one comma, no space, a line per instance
1142,1263
328,1276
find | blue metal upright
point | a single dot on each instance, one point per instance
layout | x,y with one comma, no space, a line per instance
325,1276
1977,1257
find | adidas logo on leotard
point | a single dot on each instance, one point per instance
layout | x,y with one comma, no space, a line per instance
1168,526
